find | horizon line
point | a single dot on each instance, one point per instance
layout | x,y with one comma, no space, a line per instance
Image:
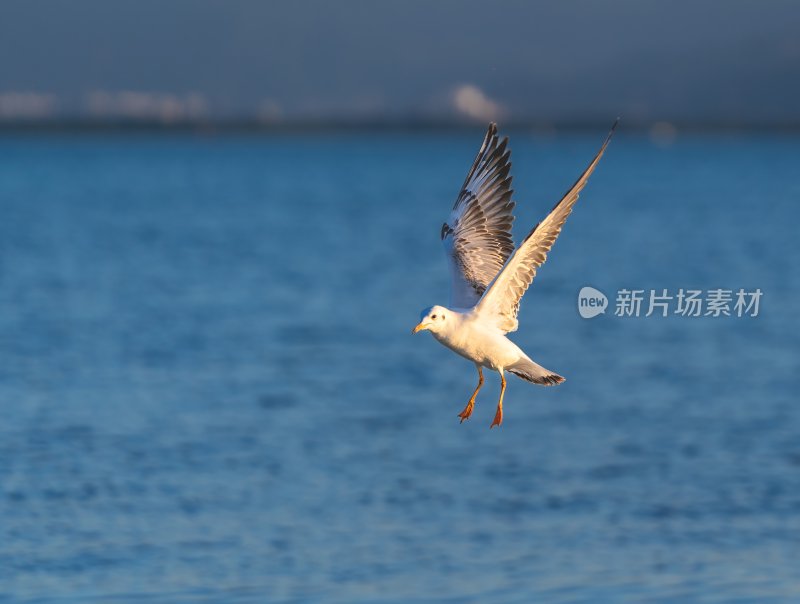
244,125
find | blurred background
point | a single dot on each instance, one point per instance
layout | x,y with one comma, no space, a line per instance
249,63
219,222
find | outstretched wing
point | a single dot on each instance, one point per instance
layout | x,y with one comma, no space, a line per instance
501,300
477,234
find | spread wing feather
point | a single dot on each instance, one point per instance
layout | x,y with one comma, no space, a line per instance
477,234
501,299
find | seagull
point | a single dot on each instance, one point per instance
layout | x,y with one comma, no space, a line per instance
488,276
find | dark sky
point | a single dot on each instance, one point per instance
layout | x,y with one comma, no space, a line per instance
682,61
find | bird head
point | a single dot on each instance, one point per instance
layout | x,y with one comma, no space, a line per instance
433,319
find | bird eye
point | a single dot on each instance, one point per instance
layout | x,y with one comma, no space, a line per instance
433,316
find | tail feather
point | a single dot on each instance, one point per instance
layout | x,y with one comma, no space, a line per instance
528,370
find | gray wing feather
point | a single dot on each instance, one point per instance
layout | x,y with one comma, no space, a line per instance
502,297
477,234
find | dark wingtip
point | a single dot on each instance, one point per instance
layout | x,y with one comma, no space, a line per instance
605,142
611,132
446,230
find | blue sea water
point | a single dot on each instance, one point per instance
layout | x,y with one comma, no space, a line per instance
209,391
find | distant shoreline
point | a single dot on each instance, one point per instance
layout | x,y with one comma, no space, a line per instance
246,126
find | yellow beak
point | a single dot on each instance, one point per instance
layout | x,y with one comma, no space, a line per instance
420,327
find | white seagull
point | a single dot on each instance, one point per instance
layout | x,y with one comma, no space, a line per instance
489,277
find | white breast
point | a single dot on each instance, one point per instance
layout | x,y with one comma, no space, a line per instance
480,343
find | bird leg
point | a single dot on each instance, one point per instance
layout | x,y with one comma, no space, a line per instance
468,409
498,416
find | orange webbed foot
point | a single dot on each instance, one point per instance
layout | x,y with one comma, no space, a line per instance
498,418
467,412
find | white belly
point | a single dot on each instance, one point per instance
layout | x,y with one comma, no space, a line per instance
486,347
